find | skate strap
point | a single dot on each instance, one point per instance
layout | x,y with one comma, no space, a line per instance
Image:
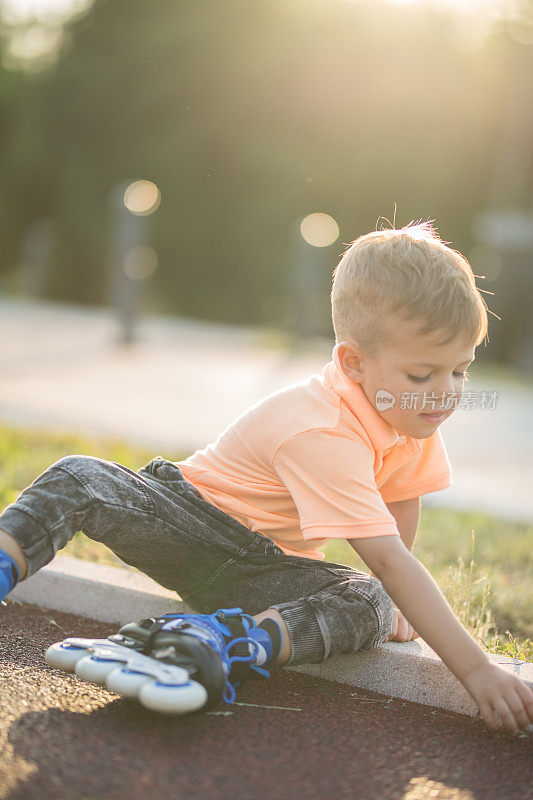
240,670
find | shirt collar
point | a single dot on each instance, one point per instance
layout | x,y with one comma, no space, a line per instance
381,433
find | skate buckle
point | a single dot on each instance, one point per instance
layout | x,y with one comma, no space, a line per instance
224,613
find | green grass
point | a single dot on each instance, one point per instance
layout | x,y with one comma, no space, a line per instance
483,565
25,454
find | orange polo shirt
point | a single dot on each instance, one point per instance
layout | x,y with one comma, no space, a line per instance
316,461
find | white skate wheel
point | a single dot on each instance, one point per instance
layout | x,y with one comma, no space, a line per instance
127,682
172,698
140,669
102,658
64,656
95,669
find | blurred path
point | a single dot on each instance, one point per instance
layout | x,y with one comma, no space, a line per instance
291,736
62,368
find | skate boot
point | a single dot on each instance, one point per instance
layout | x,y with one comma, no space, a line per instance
9,574
175,663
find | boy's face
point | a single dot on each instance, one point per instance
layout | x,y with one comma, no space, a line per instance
401,384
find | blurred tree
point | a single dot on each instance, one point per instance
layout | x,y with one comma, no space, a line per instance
11,88
248,116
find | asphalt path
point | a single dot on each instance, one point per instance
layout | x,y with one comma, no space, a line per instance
290,736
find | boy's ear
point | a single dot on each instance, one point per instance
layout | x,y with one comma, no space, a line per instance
350,358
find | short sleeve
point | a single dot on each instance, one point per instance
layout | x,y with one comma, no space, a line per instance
428,471
330,477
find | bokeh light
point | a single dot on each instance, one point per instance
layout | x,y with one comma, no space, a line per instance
140,262
520,27
142,198
319,230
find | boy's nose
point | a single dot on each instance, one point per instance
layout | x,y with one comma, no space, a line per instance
448,389
444,396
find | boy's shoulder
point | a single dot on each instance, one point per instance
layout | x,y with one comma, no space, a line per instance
303,404
302,407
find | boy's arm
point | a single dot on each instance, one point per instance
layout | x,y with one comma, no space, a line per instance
407,515
409,584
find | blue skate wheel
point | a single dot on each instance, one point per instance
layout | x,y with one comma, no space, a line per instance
127,682
64,656
94,669
173,699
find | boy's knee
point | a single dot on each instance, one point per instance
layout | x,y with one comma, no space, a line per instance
90,473
75,463
106,482
373,592
383,606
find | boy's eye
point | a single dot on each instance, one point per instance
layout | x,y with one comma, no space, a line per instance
427,377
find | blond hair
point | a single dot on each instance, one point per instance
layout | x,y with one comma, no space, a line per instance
407,274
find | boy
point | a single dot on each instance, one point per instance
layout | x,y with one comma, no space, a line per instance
346,454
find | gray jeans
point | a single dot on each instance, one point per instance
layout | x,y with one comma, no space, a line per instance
156,520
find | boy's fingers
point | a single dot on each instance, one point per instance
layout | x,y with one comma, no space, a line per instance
521,717
394,630
505,714
493,718
411,633
517,709
402,629
489,717
526,696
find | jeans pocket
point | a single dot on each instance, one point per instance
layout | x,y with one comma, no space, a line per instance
343,571
169,473
162,469
261,545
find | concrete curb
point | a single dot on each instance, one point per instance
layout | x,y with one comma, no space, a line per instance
108,594
410,670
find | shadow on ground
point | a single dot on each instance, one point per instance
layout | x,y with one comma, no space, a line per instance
293,736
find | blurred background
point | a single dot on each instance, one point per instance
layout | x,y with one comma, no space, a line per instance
179,180
246,118
177,183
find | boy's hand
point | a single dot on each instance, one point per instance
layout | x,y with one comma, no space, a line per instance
503,699
402,631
